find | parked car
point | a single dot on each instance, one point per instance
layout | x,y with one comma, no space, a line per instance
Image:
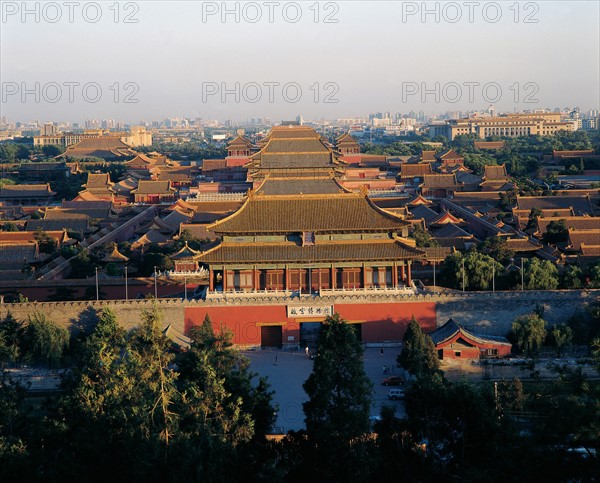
392,381
395,394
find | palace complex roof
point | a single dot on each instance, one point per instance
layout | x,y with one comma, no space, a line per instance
299,185
451,331
313,213
328,251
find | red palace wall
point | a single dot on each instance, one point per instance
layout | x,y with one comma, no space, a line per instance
380,322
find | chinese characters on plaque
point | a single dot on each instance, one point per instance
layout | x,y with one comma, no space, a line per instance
316,311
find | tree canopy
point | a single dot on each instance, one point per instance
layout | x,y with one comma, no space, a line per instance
418,354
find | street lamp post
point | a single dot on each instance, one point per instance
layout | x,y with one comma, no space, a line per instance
463,275
522,276
434,276
185,288
97,290
155,285
126,294
493,278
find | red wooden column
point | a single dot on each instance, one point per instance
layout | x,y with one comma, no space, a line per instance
402,274
364,269
224,280
408,278
333,277
287,277
211,281
256,275
395,275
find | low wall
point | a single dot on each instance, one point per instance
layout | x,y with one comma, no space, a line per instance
485,312
493,313
79,315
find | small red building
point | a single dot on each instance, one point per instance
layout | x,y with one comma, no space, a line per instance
455,342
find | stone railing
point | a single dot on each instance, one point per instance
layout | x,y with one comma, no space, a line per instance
239,196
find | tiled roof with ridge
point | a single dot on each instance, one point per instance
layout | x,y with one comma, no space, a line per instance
358,250
297,213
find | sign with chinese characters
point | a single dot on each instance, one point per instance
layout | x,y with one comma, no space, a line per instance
317,311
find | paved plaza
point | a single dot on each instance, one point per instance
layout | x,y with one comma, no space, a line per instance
287,371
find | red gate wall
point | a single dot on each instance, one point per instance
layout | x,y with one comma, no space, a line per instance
380,322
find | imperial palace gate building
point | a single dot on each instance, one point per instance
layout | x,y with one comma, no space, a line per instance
302,247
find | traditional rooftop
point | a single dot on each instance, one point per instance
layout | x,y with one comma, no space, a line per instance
115,256
26,190
440,181
356,250
452,340
414,170
308,213
579,204
102,147
577,238
493,172
153,187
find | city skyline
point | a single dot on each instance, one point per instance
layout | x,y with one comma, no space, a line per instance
339,59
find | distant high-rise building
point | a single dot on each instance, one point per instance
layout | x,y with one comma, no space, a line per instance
48,129
92,124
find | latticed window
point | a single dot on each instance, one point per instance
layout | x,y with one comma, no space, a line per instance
246,280
274,280
351,278
321,278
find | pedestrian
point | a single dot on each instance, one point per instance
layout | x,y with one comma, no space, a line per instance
275,361
306,350
381,352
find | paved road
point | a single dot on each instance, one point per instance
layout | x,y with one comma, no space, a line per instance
287,371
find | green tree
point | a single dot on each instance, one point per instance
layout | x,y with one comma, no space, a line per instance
556,232
52,151
8,153
476,271
572,277
46,243
532,222
561,335
9,226
153,259
423,238
193,242
11,333
540,275
223,411
496,247
595,348
338,389
418,354
14,451
83,265
44,340
529,333
595,275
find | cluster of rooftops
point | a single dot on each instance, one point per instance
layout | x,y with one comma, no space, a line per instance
310,201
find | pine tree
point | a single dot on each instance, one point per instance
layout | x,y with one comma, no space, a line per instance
339,391
418,354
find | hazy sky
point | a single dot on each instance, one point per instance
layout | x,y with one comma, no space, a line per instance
378,56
